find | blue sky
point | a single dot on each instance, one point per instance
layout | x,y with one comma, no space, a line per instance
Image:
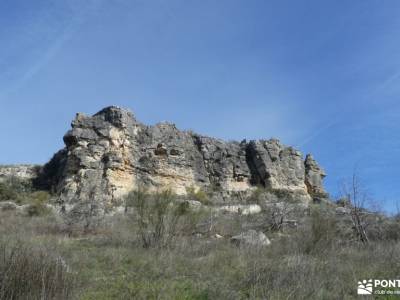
320,75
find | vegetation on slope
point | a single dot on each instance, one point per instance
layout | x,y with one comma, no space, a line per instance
162,249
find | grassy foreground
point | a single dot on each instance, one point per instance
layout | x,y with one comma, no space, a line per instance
39,259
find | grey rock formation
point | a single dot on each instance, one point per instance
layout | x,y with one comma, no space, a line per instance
241,209
314,177
25,172
275,166
110,153
251,238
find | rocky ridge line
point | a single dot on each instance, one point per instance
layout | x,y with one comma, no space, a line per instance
111,153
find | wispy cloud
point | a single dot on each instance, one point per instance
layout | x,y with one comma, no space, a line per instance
315,134
47,42
392,79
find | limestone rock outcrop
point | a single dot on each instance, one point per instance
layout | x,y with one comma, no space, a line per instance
276,166
314,177
24,172
111,153
251,238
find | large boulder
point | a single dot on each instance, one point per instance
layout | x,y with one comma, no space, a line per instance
251,238
241,209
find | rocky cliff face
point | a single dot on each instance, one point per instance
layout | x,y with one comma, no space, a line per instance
111,153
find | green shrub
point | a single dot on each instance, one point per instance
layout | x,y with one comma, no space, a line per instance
20,192
38,201
256,194
7,193
20,185
198,195
14,189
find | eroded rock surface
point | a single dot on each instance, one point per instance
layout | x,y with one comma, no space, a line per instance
111,153
25,172
251,238
314,177
277,166
240,209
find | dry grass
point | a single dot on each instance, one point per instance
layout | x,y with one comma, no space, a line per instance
29,271
317,260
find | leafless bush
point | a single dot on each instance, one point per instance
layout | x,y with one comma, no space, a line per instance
357,196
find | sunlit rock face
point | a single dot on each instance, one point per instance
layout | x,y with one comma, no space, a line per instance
110,153
314,177
23,172
277,166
